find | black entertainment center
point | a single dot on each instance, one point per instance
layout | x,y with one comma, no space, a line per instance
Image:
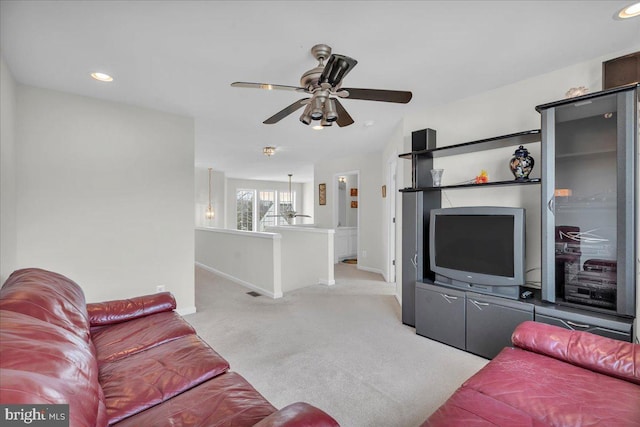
588,209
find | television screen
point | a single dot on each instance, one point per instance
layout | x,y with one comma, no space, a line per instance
475,243
479,248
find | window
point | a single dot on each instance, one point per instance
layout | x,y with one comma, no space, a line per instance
244,209
285,205
268,208
257,209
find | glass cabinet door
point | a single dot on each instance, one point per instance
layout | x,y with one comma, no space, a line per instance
588,230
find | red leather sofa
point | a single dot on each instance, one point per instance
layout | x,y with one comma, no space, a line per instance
131,362
551,377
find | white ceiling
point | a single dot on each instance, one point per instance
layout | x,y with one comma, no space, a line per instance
181,56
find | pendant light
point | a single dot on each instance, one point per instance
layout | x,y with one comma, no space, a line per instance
210,213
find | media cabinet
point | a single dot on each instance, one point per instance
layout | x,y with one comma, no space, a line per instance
589,146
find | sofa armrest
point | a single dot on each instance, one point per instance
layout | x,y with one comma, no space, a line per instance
604,355
117,311
298,415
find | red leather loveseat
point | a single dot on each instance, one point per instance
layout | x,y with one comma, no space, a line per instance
131,362
552,377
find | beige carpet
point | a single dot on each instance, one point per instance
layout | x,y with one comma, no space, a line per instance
342,348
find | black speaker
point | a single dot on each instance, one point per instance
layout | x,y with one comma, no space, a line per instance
424,139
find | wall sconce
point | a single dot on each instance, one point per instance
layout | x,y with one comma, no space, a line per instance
342,179
209,214
269,151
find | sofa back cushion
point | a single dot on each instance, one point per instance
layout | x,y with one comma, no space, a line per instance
47,296
47,353
599,354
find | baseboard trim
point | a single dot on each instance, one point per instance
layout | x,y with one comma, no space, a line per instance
370,269
327,282
240,281
186,310
398,299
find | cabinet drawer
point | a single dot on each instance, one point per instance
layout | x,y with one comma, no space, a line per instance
579,320
440,314
586,327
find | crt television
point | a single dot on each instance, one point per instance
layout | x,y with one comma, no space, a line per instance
480,249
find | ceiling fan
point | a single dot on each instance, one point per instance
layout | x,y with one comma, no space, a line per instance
324,84
288,213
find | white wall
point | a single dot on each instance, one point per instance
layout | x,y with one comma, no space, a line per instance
370,204
253,259
307,202
238,184
8,236
393,202
501,111
105,195
307,256
218,196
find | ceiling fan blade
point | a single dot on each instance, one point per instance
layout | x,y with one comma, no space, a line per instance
285,112
299,215
344,119
337,67
399,96
267,86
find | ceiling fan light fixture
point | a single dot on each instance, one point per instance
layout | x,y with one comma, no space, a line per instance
330,113
306,115
317,111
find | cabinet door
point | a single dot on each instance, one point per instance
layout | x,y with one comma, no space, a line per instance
440,314
412,238
491,321
588,149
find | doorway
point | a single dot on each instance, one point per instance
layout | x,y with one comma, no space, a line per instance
346,216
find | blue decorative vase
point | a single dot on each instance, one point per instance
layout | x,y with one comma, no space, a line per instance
521,164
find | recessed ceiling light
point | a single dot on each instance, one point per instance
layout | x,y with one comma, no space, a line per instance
630,11
369,123
102,77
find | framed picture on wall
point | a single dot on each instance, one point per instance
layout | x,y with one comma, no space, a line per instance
354,204
322,194
354,192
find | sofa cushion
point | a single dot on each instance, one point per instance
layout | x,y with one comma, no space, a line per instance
45,363
116,311
47,296
470,408
298,414
555,392
114,342
610,357
149,377
226,400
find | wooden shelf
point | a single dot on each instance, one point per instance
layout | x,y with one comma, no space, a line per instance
510,140
487,184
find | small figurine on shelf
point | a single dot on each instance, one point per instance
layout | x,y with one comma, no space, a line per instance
482,178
